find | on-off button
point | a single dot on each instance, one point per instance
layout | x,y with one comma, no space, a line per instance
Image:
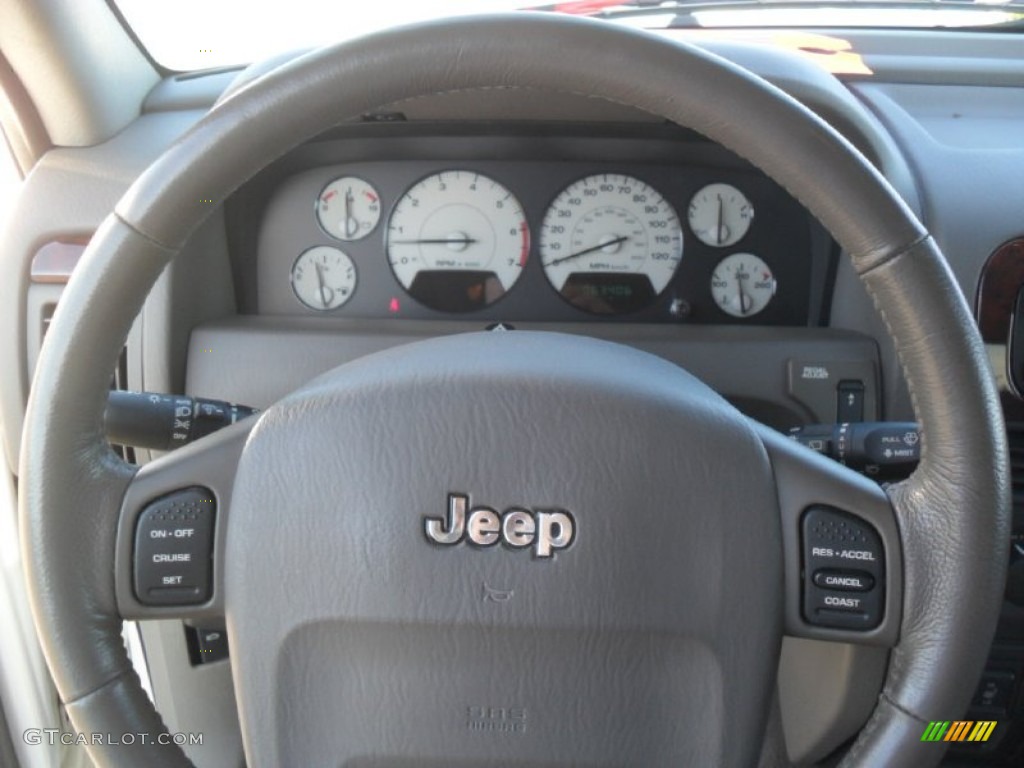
846,581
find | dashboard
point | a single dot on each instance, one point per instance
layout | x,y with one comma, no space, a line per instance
301,270
650,228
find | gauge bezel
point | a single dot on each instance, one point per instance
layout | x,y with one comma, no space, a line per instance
525,230
657,295
328,232
749,221
763,307
303,302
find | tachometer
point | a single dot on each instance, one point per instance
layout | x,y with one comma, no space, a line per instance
457,241
610,243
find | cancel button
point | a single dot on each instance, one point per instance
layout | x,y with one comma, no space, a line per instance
850,581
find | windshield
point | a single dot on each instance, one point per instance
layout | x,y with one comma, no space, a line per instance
203,34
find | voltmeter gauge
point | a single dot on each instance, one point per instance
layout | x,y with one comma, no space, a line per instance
323,278
742,284
720,215
348,208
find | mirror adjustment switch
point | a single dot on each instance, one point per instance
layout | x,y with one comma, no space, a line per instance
995,692
206,645
843,570
173,549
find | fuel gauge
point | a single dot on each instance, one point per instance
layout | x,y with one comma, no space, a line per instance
348,208
323,278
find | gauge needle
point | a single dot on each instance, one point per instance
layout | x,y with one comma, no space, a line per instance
323,286
585,251
351,225
439,241
720,234
744,299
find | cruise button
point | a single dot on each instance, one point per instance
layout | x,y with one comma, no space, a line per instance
846,581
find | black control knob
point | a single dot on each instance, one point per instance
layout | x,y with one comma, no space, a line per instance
165,422
884,450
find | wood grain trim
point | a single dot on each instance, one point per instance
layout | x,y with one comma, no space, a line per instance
1001,280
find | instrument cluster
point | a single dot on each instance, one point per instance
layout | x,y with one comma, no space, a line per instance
535,241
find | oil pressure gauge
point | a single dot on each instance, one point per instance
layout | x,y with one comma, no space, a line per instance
720,215
742,284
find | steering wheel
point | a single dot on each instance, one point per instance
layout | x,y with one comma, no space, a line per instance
651,545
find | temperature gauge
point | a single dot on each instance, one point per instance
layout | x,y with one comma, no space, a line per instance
323,278
348,208
742,284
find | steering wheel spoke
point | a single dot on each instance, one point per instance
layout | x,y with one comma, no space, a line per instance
842,550
170,538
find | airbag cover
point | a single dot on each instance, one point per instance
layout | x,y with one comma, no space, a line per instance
649,636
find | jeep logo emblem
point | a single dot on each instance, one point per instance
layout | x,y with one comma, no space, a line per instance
547,530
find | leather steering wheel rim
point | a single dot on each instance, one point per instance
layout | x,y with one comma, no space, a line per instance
953,513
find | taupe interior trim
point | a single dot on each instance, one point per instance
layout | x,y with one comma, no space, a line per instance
55,261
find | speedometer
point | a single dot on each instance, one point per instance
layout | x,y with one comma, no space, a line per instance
610,243
457,241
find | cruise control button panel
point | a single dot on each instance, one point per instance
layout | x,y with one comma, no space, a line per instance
174,549
843,571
